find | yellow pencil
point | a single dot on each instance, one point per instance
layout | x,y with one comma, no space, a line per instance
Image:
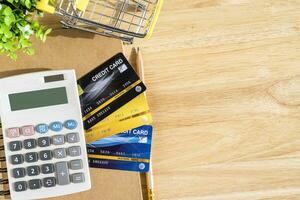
149,175
140,63
150,183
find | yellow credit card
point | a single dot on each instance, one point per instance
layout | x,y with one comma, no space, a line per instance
133,107
133,114
118,127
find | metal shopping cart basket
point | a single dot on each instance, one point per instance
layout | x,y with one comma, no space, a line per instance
123,19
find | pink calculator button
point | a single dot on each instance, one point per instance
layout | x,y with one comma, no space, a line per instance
28,130
13,132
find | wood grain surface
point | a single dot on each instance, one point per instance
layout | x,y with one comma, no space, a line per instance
223,81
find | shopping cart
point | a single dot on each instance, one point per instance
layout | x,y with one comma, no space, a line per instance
123,19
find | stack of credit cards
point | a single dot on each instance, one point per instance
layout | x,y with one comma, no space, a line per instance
114,107
107,88
133,114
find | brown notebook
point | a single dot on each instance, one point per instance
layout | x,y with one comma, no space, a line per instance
72,49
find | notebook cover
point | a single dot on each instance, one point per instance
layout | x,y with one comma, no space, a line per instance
72,49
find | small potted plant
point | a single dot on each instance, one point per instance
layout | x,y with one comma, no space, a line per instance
18,22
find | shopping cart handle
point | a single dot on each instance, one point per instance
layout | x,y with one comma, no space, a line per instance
155,18
44,6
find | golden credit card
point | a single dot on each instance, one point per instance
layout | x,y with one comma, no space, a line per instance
133,114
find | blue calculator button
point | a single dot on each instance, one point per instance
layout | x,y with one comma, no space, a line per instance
70,124
56,126
41,128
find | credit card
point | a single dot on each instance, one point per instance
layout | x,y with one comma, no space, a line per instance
133,114
107,88
129,150
107,130
135,106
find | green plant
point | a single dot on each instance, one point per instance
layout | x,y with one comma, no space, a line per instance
18,22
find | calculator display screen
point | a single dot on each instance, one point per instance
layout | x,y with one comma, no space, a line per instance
38,98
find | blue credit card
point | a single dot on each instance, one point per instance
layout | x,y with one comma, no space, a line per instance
129,150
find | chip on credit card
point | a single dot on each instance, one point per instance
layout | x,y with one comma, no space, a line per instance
107,88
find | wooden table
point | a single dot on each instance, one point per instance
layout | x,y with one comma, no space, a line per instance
224,87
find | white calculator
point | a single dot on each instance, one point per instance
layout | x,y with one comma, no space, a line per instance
43,135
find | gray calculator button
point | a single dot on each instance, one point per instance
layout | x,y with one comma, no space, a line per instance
29,144
15,146
46,155
35,184
77,178
73,137
75,164
47,168
74,151
31,157
59,153
62,173
33,170
18,172
20,186
44,141
49,182
58,139
17,159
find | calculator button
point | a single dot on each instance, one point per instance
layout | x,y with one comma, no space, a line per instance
15,146
46,155
56,126
18,172
44,141
49,182
62,173
20,186
29,144
75,164
70,124
13,132
35,184
33,170
27,130
74,151
31,157
77,178
17,159
58,139
47,168
41,128
73,137
59,153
